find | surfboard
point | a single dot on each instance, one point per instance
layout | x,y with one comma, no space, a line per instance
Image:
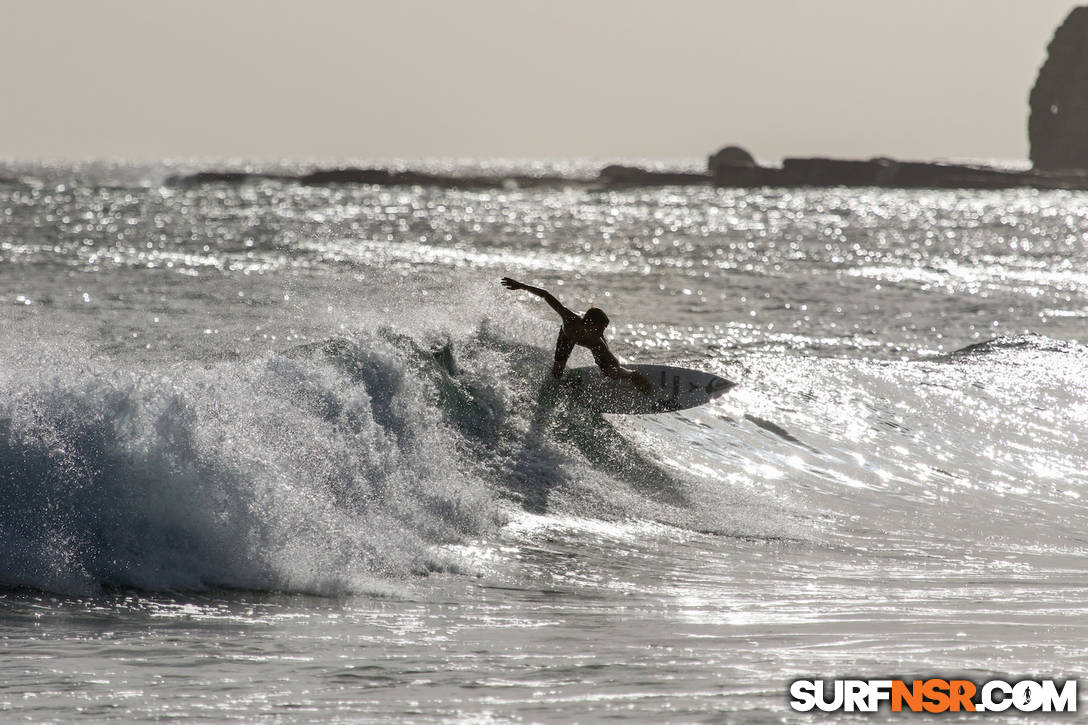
674,389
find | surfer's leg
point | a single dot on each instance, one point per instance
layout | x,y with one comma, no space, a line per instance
563,347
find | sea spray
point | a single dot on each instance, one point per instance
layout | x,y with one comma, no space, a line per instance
272,473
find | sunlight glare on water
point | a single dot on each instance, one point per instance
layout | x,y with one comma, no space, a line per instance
276,451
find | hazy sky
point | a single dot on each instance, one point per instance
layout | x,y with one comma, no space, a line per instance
143,79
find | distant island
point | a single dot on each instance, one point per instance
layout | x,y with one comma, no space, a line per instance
1057,131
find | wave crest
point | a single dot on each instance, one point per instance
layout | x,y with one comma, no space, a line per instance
277,473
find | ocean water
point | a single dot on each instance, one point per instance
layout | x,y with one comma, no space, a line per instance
282,453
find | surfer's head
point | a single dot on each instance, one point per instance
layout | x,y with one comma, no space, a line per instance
595,317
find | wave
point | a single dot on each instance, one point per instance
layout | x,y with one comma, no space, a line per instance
275,473
329,467
1026,343
351,463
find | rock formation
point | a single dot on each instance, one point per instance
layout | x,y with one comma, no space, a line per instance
1058,126
347,176
734,166
385,177
730,156
617,175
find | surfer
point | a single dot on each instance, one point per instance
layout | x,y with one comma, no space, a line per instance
586,330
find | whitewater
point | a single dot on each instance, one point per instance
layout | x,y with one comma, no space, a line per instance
275,452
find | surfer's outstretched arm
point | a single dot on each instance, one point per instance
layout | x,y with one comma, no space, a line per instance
544,294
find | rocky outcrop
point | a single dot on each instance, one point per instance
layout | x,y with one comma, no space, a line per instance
346,176
746,176
794,172
834,172
385,177
891,173
380,177
617,175
221,177
731,156
1058,125
883,171
734,166
209,177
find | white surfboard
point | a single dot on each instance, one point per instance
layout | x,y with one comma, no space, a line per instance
674,389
